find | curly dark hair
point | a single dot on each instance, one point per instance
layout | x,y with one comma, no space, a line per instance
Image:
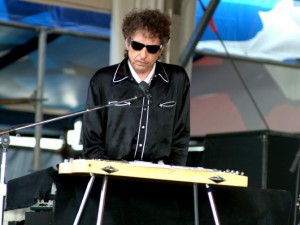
152,20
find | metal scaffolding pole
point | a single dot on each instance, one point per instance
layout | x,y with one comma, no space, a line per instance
198,32
39,96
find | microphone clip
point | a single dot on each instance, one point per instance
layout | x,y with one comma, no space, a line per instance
145,90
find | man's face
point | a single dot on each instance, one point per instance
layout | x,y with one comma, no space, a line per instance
142,60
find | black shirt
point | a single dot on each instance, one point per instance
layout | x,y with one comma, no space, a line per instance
139,129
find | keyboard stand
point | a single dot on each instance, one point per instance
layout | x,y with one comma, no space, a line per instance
103,196
85,196
101,201
211,201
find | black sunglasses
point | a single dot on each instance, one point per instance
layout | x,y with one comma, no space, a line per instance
150,48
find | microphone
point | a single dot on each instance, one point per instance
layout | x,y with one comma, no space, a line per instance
145,89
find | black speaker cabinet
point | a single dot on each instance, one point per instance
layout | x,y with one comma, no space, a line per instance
39,218
265,157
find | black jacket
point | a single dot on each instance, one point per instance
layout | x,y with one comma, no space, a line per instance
159,130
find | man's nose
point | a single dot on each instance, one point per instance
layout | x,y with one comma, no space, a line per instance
144,52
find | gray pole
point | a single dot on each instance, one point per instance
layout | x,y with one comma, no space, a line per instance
39,96
197,34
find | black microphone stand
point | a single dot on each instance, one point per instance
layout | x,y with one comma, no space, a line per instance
4,135
3,189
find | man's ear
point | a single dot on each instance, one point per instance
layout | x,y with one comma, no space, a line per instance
161,49
127,43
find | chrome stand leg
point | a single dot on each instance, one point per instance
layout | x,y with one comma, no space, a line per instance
212,205
102,200
85,196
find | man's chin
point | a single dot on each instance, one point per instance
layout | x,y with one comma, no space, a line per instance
140,69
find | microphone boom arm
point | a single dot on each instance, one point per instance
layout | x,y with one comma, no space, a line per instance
10,130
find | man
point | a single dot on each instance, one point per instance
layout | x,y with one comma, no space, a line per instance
154,127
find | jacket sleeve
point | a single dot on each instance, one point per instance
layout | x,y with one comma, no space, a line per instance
93,135
181,136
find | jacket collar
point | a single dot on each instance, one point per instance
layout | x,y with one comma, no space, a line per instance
123,72
161,72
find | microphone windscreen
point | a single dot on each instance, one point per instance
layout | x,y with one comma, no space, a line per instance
144,87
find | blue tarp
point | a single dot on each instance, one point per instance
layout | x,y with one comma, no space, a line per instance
248,28
55,17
